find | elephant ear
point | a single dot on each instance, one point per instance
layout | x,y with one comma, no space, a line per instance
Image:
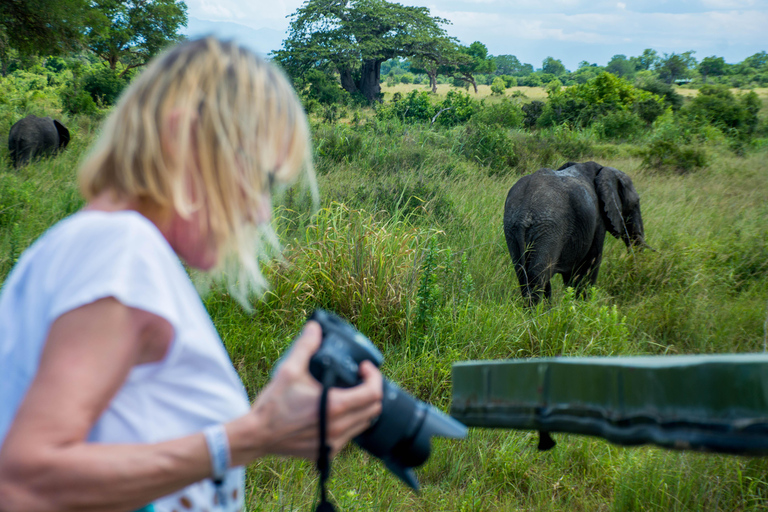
63,133
615,191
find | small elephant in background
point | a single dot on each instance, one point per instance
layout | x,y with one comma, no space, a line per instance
555,223
34,136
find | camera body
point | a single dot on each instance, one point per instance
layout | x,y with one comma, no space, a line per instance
401,435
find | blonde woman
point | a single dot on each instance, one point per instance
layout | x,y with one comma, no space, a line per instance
116,391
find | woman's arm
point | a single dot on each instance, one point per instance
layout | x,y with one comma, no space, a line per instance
45,463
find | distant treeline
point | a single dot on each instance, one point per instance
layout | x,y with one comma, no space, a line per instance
681,68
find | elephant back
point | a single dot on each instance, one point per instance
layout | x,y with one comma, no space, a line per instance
35,136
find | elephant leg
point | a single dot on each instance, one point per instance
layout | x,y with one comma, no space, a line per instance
540,275
522,278
583,276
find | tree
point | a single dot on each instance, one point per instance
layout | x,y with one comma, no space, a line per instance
510,65
620,66
131,32
470,61
434,55
553,66
353,38
41,27
672,67
711,66
48,27
647,61
756,61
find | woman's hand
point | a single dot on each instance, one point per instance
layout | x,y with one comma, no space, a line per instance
285,416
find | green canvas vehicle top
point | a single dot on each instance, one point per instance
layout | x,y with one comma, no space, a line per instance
701,402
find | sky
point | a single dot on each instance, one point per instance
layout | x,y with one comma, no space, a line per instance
570,30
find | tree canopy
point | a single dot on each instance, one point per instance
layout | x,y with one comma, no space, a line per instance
49,27
353,38
131,32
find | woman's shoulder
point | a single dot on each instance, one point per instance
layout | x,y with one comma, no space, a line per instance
91,244
103,226
91,233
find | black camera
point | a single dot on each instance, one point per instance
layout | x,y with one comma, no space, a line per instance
400,436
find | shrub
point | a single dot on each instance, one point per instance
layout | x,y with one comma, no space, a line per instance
457,108
621,125
323,88
509,81
415,106
506,114
406,78
532,112
718,106
663,90
76,101
489,146
532,80
458,82
670,148
104,85
498,86
582,105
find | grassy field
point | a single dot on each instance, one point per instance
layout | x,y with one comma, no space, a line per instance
483,91
531,93
408,244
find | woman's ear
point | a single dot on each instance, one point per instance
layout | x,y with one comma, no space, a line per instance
177,131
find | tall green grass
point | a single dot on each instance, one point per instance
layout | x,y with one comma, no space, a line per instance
408,245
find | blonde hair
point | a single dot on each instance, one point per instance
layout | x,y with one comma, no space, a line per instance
236,116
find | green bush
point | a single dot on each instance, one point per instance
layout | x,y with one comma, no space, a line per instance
457,108
104,85
621,125
671,148
663,90
488,146
77,101
532,80
322,88
735,115
458,82
582,105
415,106
498,86
507,114
532,112
509,81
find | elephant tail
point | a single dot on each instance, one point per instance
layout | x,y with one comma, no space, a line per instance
515,236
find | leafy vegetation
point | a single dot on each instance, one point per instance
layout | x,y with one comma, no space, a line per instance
408,246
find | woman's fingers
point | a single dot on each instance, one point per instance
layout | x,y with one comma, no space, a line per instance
352,410
304,347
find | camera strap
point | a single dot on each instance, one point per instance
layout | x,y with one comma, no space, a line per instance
324,460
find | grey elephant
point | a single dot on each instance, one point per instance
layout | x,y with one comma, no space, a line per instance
34,136
555,223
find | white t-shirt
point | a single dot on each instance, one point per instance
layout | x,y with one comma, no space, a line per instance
93,255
